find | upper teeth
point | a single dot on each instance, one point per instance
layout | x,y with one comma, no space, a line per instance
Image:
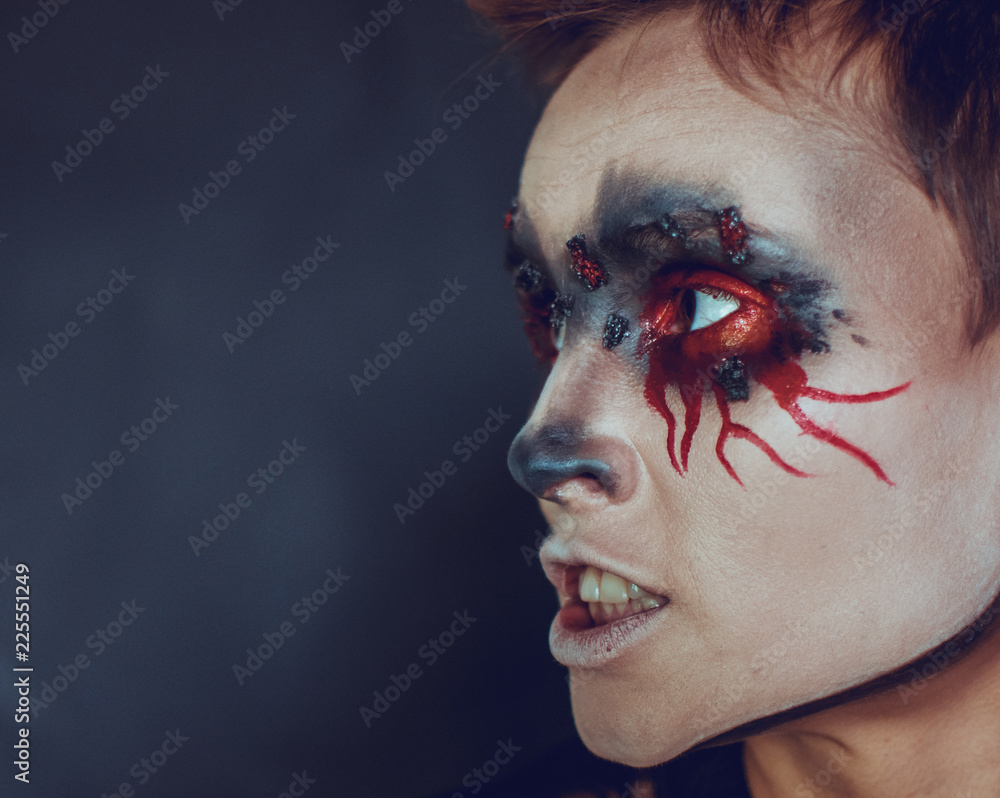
598,586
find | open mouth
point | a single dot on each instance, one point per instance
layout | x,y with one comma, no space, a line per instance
594,597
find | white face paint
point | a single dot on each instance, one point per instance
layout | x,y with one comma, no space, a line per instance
792,588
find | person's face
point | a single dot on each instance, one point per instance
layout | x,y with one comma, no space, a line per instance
776,588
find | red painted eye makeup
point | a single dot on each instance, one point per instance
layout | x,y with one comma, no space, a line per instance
705,330
727,311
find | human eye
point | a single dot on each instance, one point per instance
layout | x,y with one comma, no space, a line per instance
543,313
710,306
707,331
708,314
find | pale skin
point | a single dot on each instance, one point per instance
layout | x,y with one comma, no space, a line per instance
790,589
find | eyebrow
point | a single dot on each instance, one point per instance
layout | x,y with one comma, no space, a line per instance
629,212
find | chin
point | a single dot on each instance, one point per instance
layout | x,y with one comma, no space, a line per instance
623,726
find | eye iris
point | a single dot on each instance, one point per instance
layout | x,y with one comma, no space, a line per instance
706,316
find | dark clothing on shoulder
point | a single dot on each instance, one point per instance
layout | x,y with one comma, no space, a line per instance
570,771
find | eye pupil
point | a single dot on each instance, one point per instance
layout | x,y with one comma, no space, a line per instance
688,305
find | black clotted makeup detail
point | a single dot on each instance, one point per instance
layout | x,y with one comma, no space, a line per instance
560,310
732,375
529,279
615,330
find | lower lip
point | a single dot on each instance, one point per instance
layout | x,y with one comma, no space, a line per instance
577,646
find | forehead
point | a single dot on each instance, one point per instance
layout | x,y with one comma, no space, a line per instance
655,105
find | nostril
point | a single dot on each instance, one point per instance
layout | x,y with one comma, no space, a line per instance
586,484
543,461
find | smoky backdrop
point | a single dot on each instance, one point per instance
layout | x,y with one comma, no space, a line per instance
253,306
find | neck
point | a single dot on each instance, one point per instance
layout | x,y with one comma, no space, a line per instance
932,734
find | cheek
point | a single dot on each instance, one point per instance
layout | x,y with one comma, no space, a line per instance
797,568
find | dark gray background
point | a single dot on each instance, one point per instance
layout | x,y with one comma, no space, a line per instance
162,337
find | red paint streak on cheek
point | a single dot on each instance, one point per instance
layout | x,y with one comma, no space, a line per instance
656,386
732,429
755,334
787,381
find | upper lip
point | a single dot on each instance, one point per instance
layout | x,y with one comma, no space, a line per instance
557,557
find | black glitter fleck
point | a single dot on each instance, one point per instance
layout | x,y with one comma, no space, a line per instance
560,309
731,374
615,330
860,339
528,278
801,300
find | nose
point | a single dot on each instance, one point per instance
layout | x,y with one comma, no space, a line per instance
546,459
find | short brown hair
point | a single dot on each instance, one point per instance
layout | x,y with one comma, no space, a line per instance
938,62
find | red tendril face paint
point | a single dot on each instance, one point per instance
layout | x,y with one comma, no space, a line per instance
590,272
758,339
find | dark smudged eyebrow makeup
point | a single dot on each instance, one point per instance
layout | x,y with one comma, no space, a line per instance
642,223
641,219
